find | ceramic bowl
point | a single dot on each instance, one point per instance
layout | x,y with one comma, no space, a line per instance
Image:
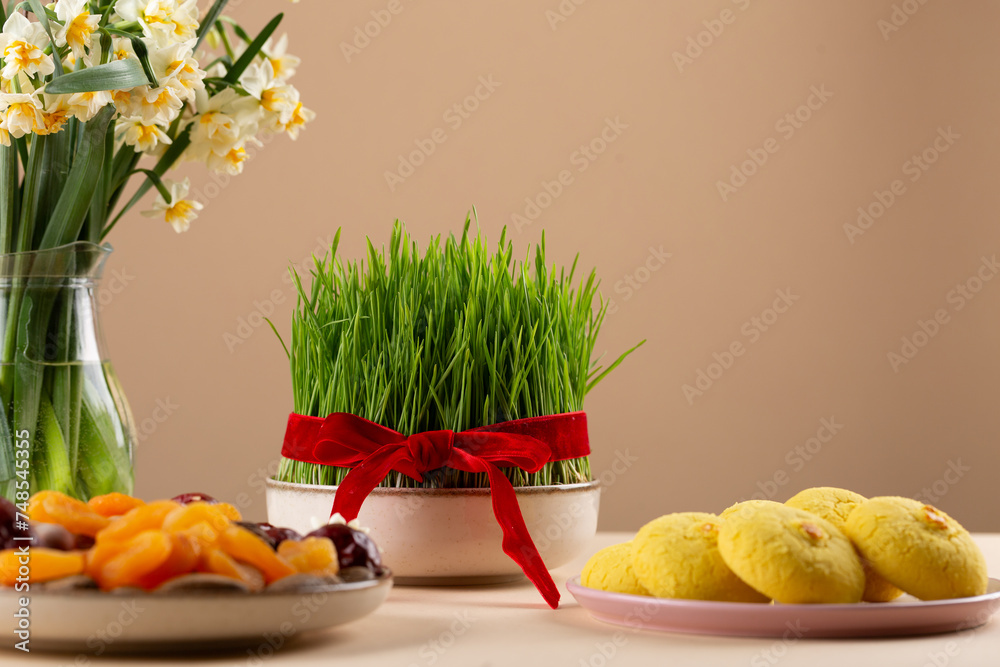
450,536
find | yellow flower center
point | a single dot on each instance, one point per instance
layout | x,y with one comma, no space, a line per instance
271,99
179,212
145,132
298,118
23,54
276,66
54,121
79,31
236,156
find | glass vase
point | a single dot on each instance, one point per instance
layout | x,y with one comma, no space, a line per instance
66,425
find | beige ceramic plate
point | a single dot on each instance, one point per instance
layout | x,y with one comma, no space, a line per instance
96,623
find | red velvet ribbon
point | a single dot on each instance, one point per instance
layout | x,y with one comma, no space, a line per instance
371,450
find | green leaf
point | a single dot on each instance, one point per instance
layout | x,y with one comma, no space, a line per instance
31,193
8,196
155,178
115,75
209,20
84,175
39,11
141,52
236,71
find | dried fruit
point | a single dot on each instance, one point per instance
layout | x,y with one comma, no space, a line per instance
273,535
147,517
145,561
53,536
199,518
311,555
9,528
113,504
216,561
42,565
354,547
245,546
70,513
187,498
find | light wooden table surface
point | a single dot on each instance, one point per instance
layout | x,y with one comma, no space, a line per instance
496,626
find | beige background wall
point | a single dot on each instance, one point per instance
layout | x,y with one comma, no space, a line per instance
899,431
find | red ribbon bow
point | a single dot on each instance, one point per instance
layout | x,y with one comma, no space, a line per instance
349,441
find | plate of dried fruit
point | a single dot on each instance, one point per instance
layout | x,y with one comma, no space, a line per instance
119,575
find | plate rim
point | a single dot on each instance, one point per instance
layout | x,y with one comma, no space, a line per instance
343,586
574,585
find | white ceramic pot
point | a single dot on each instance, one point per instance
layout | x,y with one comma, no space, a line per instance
450,536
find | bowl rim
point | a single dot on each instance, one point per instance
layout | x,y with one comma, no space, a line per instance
551,489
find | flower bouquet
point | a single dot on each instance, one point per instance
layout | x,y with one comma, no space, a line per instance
453,369
89,93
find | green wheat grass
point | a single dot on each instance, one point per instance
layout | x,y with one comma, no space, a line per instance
456,337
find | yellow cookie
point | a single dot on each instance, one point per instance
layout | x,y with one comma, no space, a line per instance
742,506
835,505
677,556
791,555
610,569
918,548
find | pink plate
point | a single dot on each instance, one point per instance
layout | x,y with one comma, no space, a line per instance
905,616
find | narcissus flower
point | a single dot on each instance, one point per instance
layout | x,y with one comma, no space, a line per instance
276,98
78,25
283,63
164,21
20,113
230,162
85,106
300,117
22,44
144,137
179,212
224,122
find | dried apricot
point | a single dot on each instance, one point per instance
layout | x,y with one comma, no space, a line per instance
146,560
114,565
216,561
70,513
311,555
113,504
146,517
189,516
185,552
43,565
230,511
244,546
